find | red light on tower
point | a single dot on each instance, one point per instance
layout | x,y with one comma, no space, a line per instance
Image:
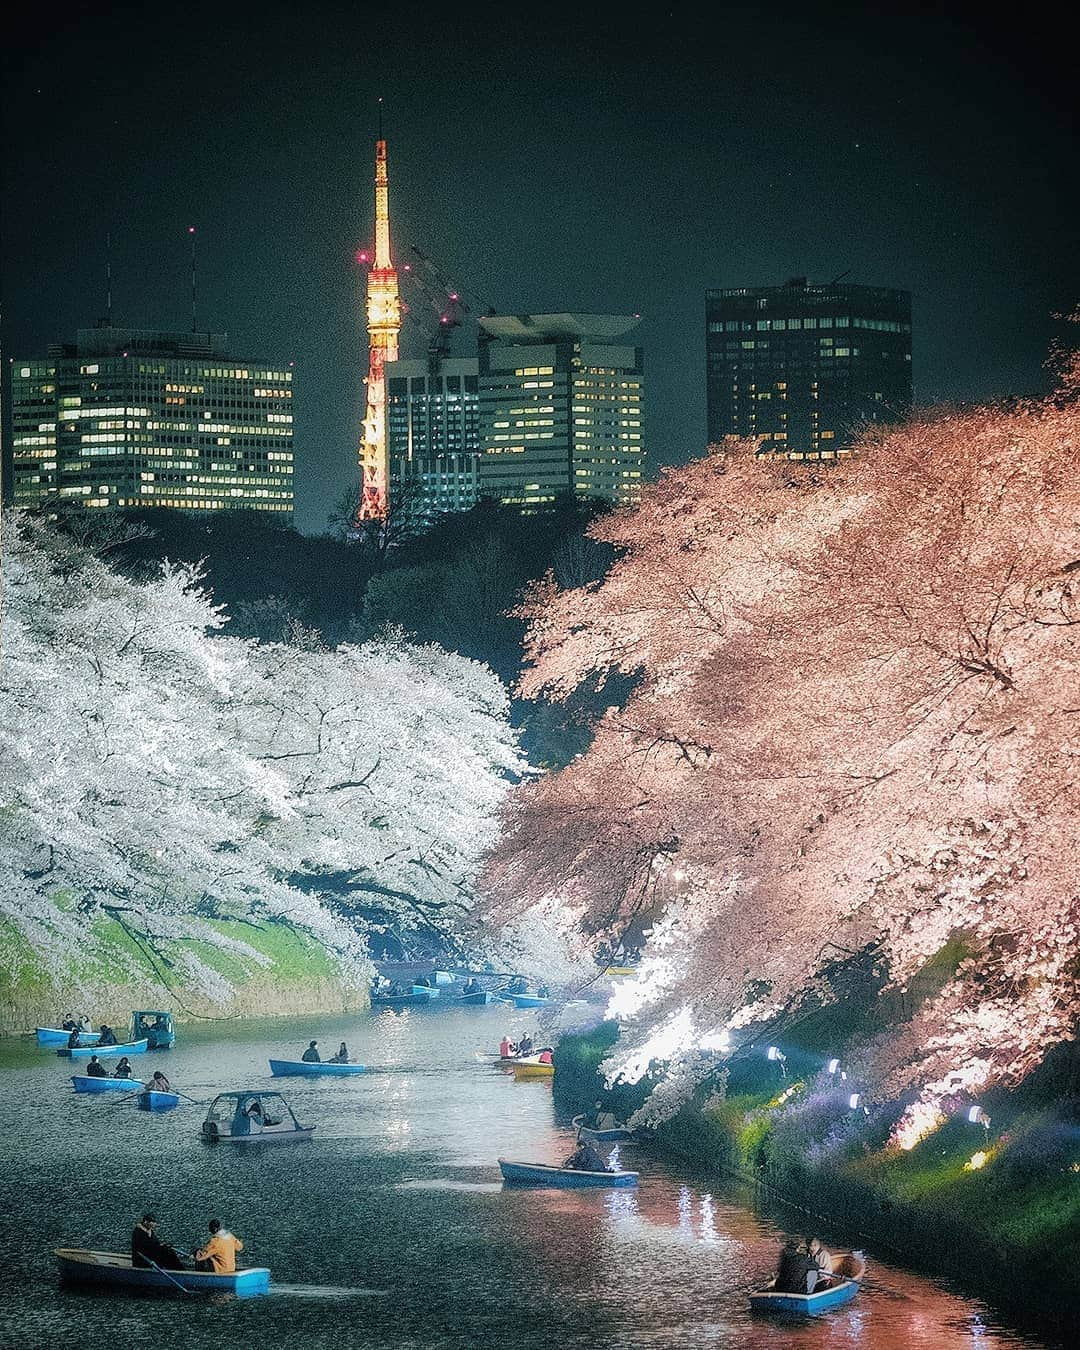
191,229
361,256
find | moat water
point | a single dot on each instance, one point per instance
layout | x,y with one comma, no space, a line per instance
392,1228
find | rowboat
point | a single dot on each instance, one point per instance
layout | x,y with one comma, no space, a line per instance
767,1300
529,1000
58,1036
157,1101
542,1174
400,1000
298,1068
478,1000
104,1051
425,992
87,1083
530,1068
609,1136
252,1118
114,1268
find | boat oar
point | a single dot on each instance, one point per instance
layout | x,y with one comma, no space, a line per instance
126,1097
169,1277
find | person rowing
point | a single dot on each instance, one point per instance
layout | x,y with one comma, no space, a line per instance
311,1054
525,1045
107,1036
506,1048
159,1083
73,1039
147,1249
123,1069
95,1069
586,1158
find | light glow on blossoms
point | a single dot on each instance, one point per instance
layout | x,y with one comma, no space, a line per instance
919,1121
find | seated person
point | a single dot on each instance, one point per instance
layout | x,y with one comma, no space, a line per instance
95,1069
517,985
506,1048
73,1039
342,1056
218,1257
159,1083
472,985
108,1036
797,1272
161,1023
85,1024
525,1045
823,1260
148,1250
71,1025
585,1158
311,1054
123,1069
422,982
547,1055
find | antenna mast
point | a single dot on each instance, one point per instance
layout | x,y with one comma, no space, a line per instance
384,326
191,232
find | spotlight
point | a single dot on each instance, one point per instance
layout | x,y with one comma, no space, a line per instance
853,1101
834,1064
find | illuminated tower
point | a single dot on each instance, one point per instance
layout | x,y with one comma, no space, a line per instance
384,325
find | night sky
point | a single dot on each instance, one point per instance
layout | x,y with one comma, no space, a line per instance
596,158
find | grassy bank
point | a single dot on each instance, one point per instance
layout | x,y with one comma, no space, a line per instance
282,971
997,1209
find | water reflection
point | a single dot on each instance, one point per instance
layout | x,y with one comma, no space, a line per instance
394,1220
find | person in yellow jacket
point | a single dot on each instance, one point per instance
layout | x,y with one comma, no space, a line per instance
219,1255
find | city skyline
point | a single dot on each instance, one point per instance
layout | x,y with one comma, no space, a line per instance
586,186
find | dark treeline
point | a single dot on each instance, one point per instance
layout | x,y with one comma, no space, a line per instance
455,585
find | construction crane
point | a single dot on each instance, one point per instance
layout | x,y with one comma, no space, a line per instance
441,297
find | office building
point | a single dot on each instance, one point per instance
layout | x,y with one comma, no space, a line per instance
561,398
806,367
433,433
129,418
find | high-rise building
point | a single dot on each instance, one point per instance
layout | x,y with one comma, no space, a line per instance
433,433
561,401
806,367
129,418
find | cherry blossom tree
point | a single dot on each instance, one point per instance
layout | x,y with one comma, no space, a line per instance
157,772
854,735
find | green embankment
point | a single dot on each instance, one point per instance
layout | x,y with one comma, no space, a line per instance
1007,1226
117,970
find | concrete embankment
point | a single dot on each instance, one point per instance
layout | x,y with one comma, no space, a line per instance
277,971
997,1210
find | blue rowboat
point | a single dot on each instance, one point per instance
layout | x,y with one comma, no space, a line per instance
480,1000
114,1268
610,1136
541,1174
157,1101
398,1000
529,1000
58,1036
805,1305
104,1051
298,1068
422,991
87,1083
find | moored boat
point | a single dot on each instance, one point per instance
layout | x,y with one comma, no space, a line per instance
103,1051
479,1000
157,1101
612,1135
298,1068
409,1000
83,1082
252,1118
805,1305
543,1174
425,992
114,1268
58,1036
528,1000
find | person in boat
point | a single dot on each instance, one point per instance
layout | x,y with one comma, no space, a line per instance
160,1023
73,1040
472,985
311,1054
159,1083
506,1048
342,1056
95,1069
423,982
71,1025
822,1259
547,1055
85,1024
599,1119
796,1273
107,1036
586,1158
148,1250
518,985
123,1069
525,1045
218,1257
